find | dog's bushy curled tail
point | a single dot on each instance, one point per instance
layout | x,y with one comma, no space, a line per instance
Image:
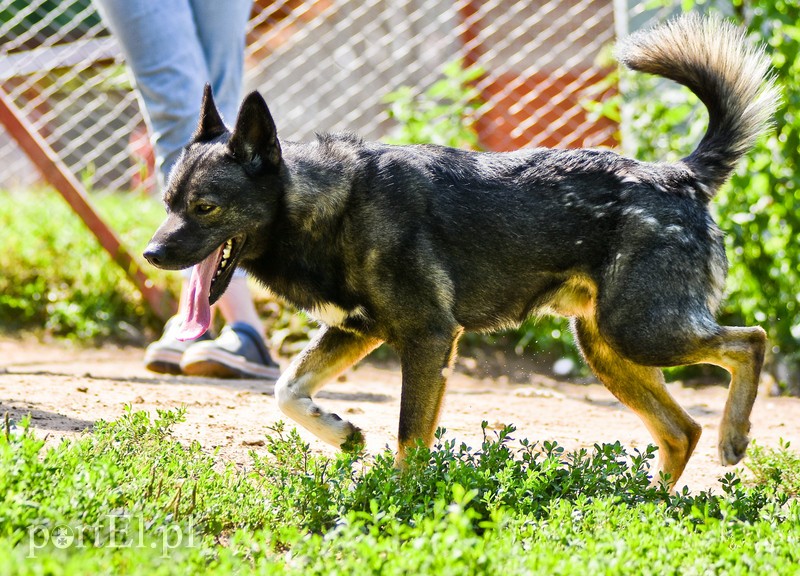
732,78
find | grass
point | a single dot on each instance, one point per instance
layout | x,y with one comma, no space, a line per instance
129,498
56,278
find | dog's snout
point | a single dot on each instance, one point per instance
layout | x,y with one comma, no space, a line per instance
155,254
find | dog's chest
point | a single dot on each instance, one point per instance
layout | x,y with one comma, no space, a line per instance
333,315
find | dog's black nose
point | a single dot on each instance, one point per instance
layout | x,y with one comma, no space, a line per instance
154,253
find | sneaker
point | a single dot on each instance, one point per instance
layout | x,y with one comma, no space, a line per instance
164,355
238,352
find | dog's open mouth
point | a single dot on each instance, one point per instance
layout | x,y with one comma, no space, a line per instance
225,269
208,282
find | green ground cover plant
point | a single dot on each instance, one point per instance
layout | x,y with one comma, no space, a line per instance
128,498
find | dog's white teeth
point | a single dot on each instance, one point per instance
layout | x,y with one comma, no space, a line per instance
223,262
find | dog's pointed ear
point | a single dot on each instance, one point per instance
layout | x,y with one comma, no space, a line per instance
254,141
210,125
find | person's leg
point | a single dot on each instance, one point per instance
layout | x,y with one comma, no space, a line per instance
171,63
165,354
236,305
221,29
240,350
161,46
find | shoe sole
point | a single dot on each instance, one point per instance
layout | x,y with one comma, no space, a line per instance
163,361
220,364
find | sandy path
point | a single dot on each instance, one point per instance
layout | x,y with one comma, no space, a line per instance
66,389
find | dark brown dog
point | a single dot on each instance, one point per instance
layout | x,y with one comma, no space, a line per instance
412,245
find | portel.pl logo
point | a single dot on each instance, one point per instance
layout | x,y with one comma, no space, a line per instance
111,531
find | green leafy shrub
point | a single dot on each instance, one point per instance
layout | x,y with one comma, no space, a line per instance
444,114
128,497
776,467
761,207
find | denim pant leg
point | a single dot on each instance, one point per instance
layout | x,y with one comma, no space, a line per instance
223,47
171,61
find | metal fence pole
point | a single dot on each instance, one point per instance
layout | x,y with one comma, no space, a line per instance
57,174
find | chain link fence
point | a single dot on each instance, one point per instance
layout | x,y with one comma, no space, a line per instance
323,65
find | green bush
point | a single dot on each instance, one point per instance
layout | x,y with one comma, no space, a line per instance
761,207
128,497
778,467
444,114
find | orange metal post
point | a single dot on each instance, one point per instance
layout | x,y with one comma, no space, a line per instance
57,174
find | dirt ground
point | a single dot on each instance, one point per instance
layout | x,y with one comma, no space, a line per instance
66,389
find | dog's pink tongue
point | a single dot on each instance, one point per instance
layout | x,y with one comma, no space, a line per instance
198,312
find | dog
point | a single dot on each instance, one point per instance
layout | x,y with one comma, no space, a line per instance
412,245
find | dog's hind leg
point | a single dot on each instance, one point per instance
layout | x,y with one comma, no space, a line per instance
643,390
740,351
329,354
426,363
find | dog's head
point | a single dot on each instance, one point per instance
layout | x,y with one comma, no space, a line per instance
220,198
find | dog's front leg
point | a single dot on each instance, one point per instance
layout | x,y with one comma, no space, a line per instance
426,362
329,354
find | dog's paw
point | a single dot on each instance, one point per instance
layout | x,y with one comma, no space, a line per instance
732,449
355,442
327,426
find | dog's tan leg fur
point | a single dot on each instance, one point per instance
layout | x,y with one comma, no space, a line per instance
330,353
740,351
643,390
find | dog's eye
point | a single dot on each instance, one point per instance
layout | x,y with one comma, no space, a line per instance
204,208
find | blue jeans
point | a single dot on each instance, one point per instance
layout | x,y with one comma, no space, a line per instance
173,48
